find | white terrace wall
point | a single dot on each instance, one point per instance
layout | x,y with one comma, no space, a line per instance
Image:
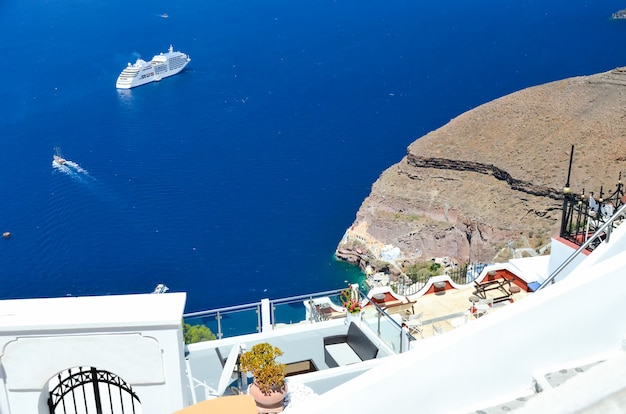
137,337
492,360
560,251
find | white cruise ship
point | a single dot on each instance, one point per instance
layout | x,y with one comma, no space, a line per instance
161,66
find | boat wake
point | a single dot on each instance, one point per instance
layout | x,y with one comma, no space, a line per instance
68,167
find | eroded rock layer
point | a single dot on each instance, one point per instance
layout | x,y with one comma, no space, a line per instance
490,182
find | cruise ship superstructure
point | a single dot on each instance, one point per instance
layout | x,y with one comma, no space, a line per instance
161,66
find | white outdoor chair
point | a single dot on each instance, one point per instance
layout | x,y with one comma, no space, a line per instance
460,321
483,306
414,323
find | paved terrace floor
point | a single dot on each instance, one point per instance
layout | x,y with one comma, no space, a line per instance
446,310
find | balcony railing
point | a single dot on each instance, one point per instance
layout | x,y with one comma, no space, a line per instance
268,315
258,316
603,234
462,275
583,215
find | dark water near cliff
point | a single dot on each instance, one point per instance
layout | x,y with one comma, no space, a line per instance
235,180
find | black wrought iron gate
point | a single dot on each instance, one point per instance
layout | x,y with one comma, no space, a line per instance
87,390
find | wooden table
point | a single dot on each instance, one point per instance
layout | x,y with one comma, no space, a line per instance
498,285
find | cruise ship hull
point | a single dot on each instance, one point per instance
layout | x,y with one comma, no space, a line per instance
161,66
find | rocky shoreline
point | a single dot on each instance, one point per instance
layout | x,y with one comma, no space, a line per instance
492,178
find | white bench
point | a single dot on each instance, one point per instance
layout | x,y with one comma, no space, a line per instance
353,347
342,354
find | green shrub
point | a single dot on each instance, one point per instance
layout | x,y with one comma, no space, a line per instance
422,271
197,333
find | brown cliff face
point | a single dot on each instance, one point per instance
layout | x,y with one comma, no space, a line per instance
495,175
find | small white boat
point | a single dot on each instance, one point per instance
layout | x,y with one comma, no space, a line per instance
58,160
161,288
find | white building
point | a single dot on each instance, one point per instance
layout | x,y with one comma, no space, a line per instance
137,338
504,360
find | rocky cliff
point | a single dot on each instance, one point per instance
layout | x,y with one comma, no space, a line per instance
491,180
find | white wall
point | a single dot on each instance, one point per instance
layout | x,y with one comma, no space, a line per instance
137,337
493,359
559,252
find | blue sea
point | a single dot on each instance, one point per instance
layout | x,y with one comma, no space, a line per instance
236,179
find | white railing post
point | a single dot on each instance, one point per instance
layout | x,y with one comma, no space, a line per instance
243,376
404,339
190,380
266,323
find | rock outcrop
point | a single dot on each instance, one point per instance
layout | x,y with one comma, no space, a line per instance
492,179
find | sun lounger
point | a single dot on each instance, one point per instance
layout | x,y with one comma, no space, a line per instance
402,308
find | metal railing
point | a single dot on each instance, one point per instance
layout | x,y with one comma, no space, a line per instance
249,318
228,321
602,234
463,274
385,327
583,215
292,310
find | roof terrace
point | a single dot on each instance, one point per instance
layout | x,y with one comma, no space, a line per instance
301,330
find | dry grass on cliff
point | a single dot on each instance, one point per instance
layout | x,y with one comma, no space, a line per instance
527,134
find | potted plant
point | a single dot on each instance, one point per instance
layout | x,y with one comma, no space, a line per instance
268,387
351,304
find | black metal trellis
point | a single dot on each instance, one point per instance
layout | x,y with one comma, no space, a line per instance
89,391
584,214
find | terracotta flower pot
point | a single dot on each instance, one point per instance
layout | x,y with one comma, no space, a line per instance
268,403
